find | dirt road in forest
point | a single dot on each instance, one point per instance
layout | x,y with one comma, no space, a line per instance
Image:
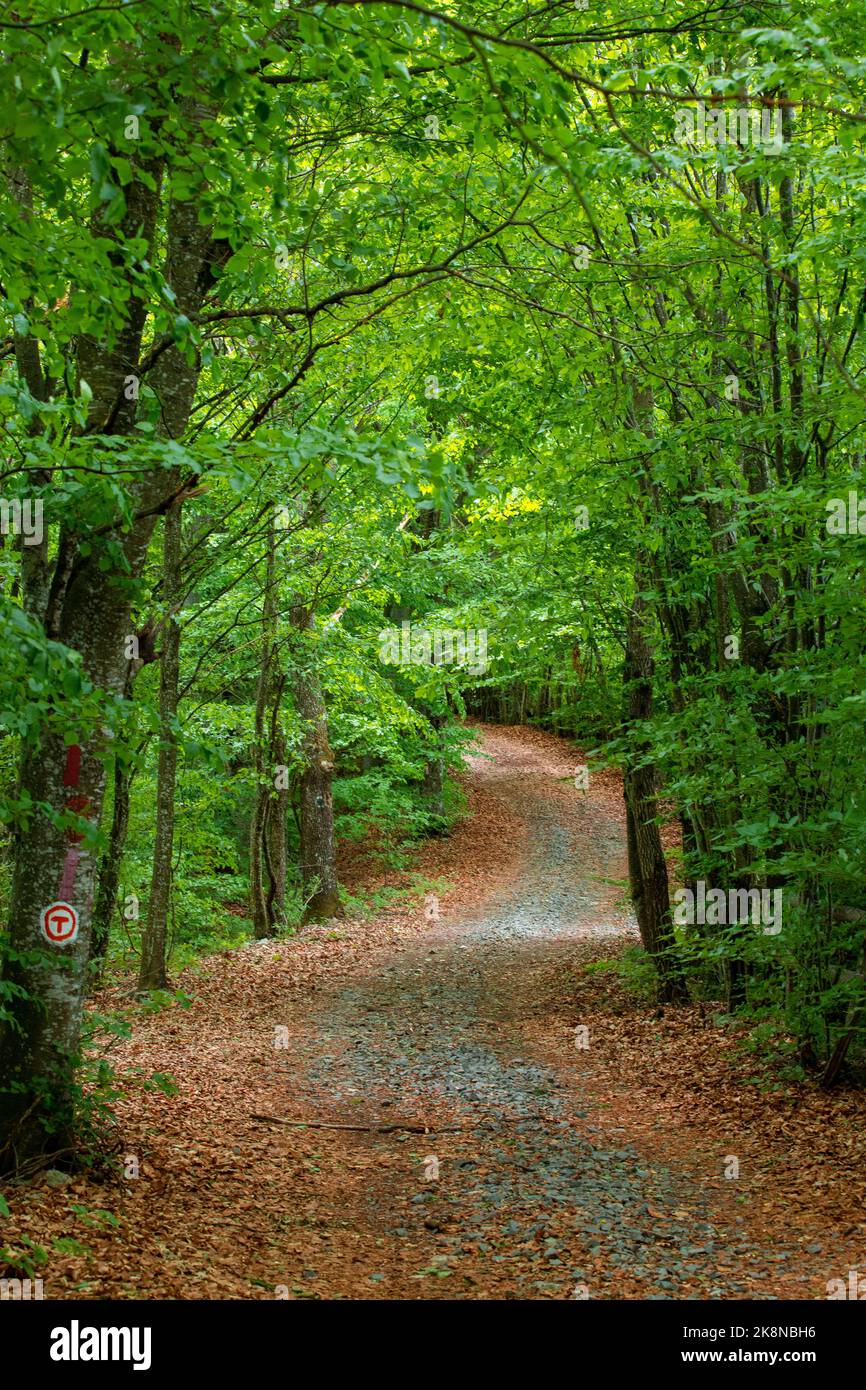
577,1140
435,1036
524,1189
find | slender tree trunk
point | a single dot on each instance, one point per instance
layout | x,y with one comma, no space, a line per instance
152,972
258,908
108,875
275,830
317,862
267,818
108,881
433,784
648,875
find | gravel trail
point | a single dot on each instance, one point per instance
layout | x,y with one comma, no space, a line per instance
531,1190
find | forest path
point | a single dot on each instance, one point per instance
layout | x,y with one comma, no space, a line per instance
524,1189
564,1171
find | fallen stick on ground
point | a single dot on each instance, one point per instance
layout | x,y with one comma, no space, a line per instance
408,1125
370,1129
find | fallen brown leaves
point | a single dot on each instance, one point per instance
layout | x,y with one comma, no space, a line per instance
686,1088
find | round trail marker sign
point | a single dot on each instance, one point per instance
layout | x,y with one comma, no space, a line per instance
59,923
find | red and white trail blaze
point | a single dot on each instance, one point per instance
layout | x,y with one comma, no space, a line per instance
60,918
79,805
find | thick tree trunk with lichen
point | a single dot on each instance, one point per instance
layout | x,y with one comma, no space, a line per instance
84,603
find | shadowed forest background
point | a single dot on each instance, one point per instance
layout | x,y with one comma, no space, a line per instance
374,376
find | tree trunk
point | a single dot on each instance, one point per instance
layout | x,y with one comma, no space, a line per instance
275,828
648,874
317,863
108,881
152,972
433,784
54,869
86,606
108,876
267,818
